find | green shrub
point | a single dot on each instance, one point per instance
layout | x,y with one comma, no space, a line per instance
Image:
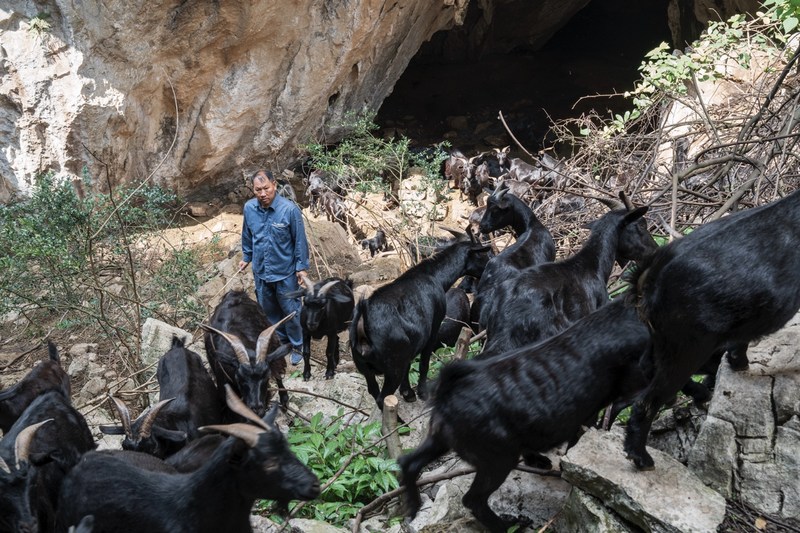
327,447
373,162
89,261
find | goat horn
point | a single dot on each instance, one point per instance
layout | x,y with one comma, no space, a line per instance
23,443
626,200
325,288
4,467
236,405
611,203
307,281
124,416
458,234
245,432
150,418
235,342
263,340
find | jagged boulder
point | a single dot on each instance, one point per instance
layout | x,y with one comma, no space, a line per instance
667,499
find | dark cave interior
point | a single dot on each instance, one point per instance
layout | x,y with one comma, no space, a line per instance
594,56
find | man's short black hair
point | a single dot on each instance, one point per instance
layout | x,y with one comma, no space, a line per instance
265,172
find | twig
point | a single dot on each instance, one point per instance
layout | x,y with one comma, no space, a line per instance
20,356
511,134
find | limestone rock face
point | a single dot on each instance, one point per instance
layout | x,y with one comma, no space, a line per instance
196,94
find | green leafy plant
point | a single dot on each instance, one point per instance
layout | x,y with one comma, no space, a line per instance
351,458
89,260
438,359
372,162
39,24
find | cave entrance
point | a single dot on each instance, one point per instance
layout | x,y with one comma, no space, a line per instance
451,91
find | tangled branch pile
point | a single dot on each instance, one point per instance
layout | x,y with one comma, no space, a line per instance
714,130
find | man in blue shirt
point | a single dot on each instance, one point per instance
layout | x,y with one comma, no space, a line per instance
274,240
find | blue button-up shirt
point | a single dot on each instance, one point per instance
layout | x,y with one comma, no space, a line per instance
274,239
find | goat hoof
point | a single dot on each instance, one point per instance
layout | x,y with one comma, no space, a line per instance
738,366
329,375
644,462
409,396
537,460
307,377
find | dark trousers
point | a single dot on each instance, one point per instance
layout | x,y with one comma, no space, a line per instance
271,297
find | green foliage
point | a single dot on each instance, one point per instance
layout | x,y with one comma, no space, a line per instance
668,73
438,359
39,24
84,260
786,12
373,162
325,447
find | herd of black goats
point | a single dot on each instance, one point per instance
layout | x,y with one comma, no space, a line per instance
559,351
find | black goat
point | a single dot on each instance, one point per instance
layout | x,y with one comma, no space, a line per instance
725,284
254,462
402,319
456,317
527,401
47,375
327,308
543,300
375,244
188,399
195,454
39,449
534,245
242,350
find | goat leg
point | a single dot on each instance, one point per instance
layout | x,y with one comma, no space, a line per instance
412,464
332,355
489,477
405,386
737,357
306,355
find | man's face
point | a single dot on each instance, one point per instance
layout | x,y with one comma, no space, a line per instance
264,190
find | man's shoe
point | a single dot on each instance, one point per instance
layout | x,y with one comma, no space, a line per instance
296,357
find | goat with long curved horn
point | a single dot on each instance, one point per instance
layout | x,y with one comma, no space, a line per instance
23,443
235,342
236,405
150,418
263,340
611,203
124,416
325,288
245,432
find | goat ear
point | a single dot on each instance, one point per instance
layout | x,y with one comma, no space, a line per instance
636,214
283,351
177,342
295,294
269,418
170,434
341,297
42,458
112,430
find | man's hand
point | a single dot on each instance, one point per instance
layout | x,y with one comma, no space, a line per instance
243,265
300,274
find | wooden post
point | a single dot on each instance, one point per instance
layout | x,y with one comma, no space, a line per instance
389,426
462,344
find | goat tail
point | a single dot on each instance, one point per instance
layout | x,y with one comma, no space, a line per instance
359,341
638,277
52,351
449,379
